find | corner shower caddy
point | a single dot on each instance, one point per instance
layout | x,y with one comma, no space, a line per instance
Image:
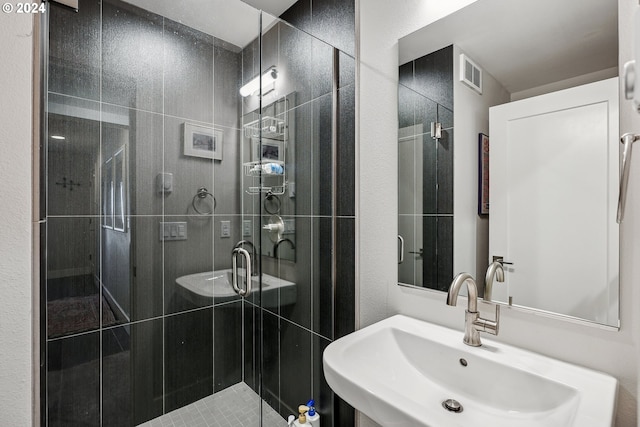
269,128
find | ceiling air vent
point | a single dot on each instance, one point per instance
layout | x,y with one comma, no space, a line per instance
470,73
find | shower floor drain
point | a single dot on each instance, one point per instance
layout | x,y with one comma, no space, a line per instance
452,405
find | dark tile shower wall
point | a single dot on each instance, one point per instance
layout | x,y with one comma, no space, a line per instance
135,355
294,337
425,95
118,76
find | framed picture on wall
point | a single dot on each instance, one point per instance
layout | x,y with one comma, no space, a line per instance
271,149
483,174
202,141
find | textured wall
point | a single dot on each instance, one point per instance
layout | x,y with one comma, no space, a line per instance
15,214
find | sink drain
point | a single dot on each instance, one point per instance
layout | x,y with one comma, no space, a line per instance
452,405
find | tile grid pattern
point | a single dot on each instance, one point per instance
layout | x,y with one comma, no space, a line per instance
425,215
236,406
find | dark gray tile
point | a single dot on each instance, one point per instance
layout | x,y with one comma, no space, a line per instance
430,247
299,15
73,380
333,21
147,360
346,153
445,116
322,393
347,70
271,361
188,73
429,174
322,166
73,271
73,161
147,268
227,77
295,66
301,138
117,274
407,100
323,290
185,257
406,75
295,355
322,70
139,134
251,342
345,299
188,357
426,112
300,273
434,76
189,173
445,172
132,53
227,347
228,173
74,50
445,252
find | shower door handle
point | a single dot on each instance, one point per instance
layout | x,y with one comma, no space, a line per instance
627,140
401,239
234,272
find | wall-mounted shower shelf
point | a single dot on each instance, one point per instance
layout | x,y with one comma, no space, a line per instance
271,128
255,170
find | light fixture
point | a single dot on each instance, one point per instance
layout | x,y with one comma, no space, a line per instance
268,78
58,137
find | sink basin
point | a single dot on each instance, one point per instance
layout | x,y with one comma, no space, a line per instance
200,288
400,370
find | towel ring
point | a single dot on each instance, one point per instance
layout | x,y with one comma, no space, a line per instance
199,197
269,197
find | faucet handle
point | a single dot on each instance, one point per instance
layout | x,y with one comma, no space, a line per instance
486,325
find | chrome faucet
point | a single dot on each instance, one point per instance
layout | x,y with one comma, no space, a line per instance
473,323
494,271
254,271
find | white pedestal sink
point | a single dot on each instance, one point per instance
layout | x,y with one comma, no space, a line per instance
400,370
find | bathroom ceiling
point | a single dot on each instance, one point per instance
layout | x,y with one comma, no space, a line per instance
526,44
233,21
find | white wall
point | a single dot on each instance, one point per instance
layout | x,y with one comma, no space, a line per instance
381,24
16,219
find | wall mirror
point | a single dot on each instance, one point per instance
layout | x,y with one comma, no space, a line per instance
464,71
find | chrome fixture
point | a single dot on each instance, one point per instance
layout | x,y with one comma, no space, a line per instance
401,239
494,271
202,194
627,140
473,323
234,272
253,256
277,245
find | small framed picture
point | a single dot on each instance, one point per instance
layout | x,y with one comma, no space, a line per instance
271,149
202,141
483,174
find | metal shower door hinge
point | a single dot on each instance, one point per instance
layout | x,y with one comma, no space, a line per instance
436,130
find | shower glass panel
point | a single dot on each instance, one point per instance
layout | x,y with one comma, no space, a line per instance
175,137
144,207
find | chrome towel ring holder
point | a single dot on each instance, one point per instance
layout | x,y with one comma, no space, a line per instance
202,194
274,202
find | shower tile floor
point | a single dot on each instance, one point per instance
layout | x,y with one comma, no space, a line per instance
235,406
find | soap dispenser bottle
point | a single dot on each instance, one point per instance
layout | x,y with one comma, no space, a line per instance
312,416
302,416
